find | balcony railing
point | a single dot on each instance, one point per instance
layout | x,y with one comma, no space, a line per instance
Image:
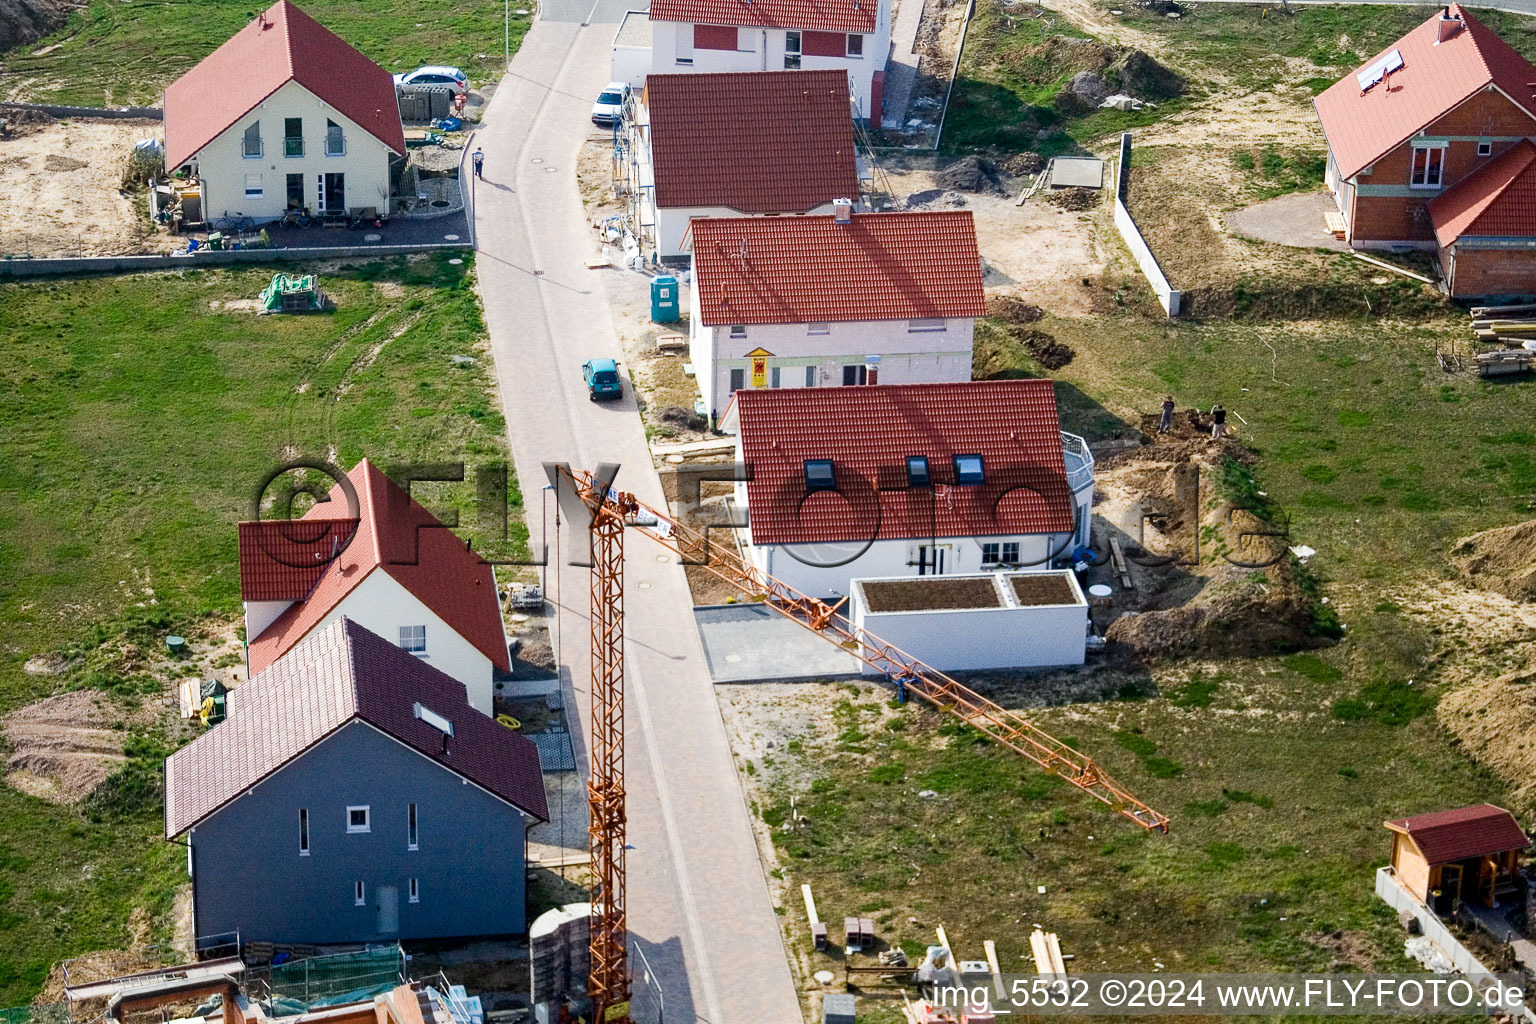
293,147
335,145
1079,460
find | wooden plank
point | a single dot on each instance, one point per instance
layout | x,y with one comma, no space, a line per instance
1041,952
810,903
1053,946
1117,556
944,941
1384,265
997,972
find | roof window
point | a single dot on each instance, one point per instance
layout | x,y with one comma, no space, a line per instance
819,475
917,471
433,719
969,470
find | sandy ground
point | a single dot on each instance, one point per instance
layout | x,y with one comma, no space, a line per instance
63,747
59,191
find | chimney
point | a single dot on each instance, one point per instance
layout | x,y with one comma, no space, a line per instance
1448,25
842,211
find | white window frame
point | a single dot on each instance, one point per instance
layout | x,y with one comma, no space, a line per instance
289,150
334,133
991,553
810,376
259,191
738,331
439,722
412,828
407,639
851,51
927,326
366,826
359,894
414,891
1413,167
245,141
303,831
859,372
1011,552
818,329
1485,149
792,53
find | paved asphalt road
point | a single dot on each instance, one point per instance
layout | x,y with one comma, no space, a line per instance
698,904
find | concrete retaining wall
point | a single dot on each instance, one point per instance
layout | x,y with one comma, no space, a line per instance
1167,295
109,113
75,266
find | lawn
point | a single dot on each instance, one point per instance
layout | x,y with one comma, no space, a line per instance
140,415
117,52
1278,771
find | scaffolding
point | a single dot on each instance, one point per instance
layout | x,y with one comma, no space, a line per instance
301,985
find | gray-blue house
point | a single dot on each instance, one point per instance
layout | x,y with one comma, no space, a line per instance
352,794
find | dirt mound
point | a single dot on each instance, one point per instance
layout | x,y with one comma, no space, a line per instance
934,199
971,174
1020,164
1502,560
26,21
1012,309
1077,199
1082,93
1142,77
63,747
1048,352
677,416
1495,720
102,965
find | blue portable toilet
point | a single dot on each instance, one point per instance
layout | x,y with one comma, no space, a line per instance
664,300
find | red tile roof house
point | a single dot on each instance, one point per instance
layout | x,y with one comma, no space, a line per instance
285,115
352,795
692,153
907,480
705,36
383,561
798,302
1429,147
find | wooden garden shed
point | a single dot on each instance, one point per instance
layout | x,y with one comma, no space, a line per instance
1465,854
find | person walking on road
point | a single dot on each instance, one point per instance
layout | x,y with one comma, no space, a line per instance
1218,422
479,158
1166,423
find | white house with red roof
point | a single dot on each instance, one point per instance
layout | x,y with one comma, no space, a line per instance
372,554
908,480
692,153
702,36
1429,147
285,115
827,301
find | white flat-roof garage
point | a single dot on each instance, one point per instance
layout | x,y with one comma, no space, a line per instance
962,623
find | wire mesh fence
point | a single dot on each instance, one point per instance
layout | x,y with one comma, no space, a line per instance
302,985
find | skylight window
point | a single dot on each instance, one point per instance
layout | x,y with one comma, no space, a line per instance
969,470
917,471
1379,69
434,719
819,475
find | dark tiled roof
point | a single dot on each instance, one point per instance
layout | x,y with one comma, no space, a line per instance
869,432
395,535
280,45
1475,831
343,674
825,15
793,154
880,266
1435,78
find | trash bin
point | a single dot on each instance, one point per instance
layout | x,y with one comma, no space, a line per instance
664,304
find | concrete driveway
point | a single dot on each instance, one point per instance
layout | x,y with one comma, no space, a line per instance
1296,220
698,905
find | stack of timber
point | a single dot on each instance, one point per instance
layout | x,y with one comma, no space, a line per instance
1047,949
1505,323
1505,361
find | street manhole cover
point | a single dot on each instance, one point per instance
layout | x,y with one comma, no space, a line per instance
451,238
372,237
733,658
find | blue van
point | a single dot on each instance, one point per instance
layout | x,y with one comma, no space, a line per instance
602,378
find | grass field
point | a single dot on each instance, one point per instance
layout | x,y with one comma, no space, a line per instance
1277,771
139,416
117,52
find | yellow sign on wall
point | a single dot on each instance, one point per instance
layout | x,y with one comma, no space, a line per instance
759,359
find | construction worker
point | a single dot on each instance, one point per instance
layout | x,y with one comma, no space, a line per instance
1166,423
479,159
1218,422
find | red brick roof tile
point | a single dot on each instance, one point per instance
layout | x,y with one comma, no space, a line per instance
1434,79
283,559
395,535
1465,832
280,45
793,154
340,675
880,266
825,15
869,431
1497,200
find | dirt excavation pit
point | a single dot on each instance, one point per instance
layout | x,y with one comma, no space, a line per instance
1042,589
59,191
1495,719
63,747
932,594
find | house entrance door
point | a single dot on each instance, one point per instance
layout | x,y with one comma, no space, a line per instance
930,559
388,906
295,191
335,193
